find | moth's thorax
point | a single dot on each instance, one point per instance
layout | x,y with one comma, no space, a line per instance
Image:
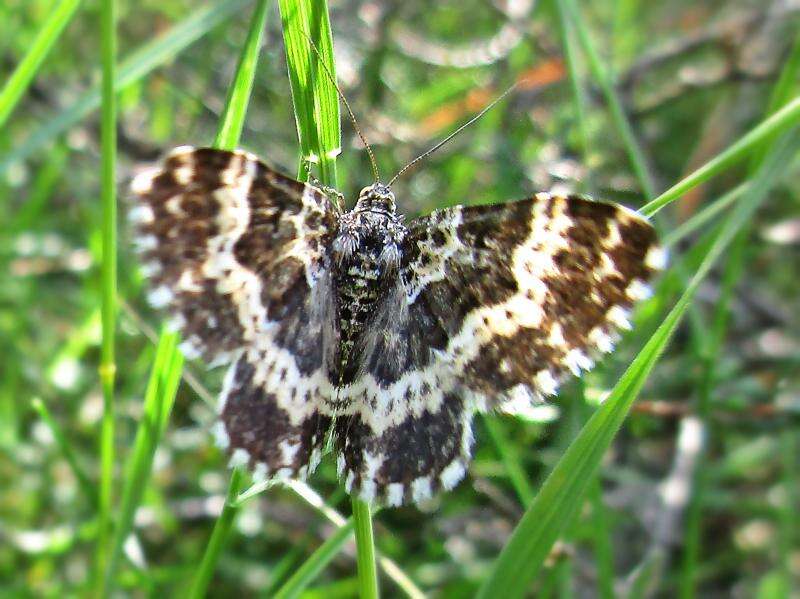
366,251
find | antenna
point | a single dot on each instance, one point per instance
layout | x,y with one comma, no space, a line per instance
454,133
332,79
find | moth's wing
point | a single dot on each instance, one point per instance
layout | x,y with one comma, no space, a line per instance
524,294
502,302
407,433
237,253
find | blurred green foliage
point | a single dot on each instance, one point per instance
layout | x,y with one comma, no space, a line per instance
692,78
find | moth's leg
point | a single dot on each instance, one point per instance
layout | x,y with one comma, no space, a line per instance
329,191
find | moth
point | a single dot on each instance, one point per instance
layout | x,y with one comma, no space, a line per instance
383,335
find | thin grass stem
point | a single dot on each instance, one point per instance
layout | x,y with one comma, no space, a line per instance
703,216
365,550
219,536
108,142
84,483
312,567
511,460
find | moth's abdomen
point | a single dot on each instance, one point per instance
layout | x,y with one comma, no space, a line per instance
358,283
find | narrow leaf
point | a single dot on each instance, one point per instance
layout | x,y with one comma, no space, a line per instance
135,67
22,76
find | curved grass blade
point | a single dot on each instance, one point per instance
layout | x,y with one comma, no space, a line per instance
510,457
230,127
22,76
134,67
705,215
562,493
86,486
219,535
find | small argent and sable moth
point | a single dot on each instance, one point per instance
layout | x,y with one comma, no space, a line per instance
384,336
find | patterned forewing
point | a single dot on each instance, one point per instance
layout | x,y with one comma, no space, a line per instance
528,292
236,252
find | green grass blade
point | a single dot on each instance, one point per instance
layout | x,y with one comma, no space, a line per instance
704,216
22,76
634,150
312,567
316,107
134,67
159,398
219,536
779,122
562,493
227,137
86,486
108,184
316,102
511,460
230,128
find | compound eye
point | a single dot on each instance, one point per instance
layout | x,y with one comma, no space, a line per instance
366,192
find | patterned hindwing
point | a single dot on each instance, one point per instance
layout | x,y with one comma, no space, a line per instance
408,461
496,305
238,255
408,432
261,432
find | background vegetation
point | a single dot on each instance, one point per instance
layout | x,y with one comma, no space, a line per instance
698,493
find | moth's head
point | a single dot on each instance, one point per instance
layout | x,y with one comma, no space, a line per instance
377,197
